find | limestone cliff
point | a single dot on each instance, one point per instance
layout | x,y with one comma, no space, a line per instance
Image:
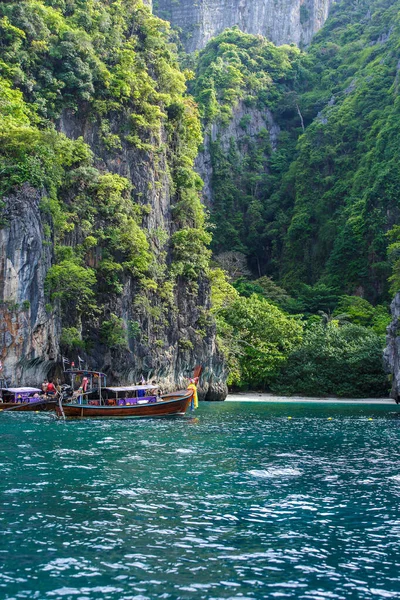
392,350
103,247
28,334
281,21
167,344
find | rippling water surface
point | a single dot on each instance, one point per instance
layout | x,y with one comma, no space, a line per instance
239,502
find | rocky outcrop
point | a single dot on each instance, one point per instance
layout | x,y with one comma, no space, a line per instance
167,342
120,220
281,21
28,333
392,350
245,125
170,343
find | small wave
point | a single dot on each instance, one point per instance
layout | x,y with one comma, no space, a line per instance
395,478
185,451
85,467
275,472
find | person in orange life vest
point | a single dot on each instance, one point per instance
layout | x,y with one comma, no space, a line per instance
192,386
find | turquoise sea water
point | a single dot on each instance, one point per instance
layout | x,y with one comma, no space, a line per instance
237,502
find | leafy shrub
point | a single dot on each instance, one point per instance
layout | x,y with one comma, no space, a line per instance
71,338
72,284
332,360
260,338
191,256
113,332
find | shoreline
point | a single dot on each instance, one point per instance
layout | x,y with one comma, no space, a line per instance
274,399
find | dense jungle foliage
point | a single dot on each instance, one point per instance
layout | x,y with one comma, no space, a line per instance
304,149
304,154
106,68
312,199
317,344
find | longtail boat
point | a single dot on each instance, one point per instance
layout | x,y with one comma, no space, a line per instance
87,383
130,401
82,383
25,399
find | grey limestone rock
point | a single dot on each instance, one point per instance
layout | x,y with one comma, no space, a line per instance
166,351
392,350
281,21
28,333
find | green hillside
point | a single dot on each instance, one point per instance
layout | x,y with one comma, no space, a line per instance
318,208
98,128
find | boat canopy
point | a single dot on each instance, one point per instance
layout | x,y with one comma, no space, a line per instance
131,388
22,390
84,372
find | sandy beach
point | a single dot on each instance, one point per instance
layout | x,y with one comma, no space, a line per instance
263,397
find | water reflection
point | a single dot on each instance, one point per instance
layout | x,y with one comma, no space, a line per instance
237,502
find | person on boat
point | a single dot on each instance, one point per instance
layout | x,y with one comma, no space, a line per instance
79,394
44,386
85,383
192,386
51,388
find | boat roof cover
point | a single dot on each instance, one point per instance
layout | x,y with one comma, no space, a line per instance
131,388
23,390
84,372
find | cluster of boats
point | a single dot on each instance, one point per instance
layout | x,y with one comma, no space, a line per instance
87,395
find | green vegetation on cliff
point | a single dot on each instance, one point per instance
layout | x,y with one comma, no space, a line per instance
344,181
304,153
312,201
245,80
105,71
303,147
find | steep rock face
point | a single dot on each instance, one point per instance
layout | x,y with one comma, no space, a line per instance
102,233
167,344
28,334
236,133
392,350
281,21
170,342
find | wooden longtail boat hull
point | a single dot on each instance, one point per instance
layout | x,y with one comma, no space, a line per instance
40,405
7,405
171,404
